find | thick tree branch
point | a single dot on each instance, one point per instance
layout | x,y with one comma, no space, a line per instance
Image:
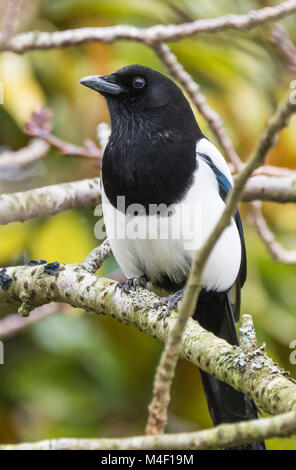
159,33
252,373
40,125
220,437
248,339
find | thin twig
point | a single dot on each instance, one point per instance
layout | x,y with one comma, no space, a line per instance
40,125
176,69
279,253
11,20
220,437
35,150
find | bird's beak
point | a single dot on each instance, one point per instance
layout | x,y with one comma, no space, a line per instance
103,84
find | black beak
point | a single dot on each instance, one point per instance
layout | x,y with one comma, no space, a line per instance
103,84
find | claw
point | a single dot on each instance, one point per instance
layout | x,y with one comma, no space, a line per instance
171,301
135,282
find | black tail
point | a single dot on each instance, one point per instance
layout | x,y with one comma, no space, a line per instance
226,405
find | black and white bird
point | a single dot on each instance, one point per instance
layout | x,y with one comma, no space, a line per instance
157,157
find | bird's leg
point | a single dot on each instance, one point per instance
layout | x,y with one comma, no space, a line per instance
171,301
135,282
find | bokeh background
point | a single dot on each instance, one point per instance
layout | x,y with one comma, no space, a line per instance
75,374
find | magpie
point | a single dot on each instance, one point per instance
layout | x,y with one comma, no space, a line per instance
164,186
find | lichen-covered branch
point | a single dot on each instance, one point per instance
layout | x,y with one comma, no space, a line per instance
14,323
252,373
220,437
43,40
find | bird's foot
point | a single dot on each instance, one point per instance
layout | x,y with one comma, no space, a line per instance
132,283
171,301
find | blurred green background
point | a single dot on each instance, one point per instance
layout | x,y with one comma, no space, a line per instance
74,374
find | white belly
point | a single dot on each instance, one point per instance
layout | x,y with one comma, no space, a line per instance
165,246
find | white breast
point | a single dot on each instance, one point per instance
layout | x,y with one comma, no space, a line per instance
158,246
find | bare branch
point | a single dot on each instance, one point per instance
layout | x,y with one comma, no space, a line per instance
40,125
155,34
49,200
166,369
35,150
248,340
96,258
282,41
252,373
13,324
277,251
176,69
219,437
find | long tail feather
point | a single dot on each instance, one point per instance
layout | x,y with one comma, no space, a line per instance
226,405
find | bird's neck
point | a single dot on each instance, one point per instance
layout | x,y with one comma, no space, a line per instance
149,164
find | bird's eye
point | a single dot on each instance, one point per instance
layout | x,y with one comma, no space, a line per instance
139,82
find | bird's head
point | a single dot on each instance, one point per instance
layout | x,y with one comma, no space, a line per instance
141,94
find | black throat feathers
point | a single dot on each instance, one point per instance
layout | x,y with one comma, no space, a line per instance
150,159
